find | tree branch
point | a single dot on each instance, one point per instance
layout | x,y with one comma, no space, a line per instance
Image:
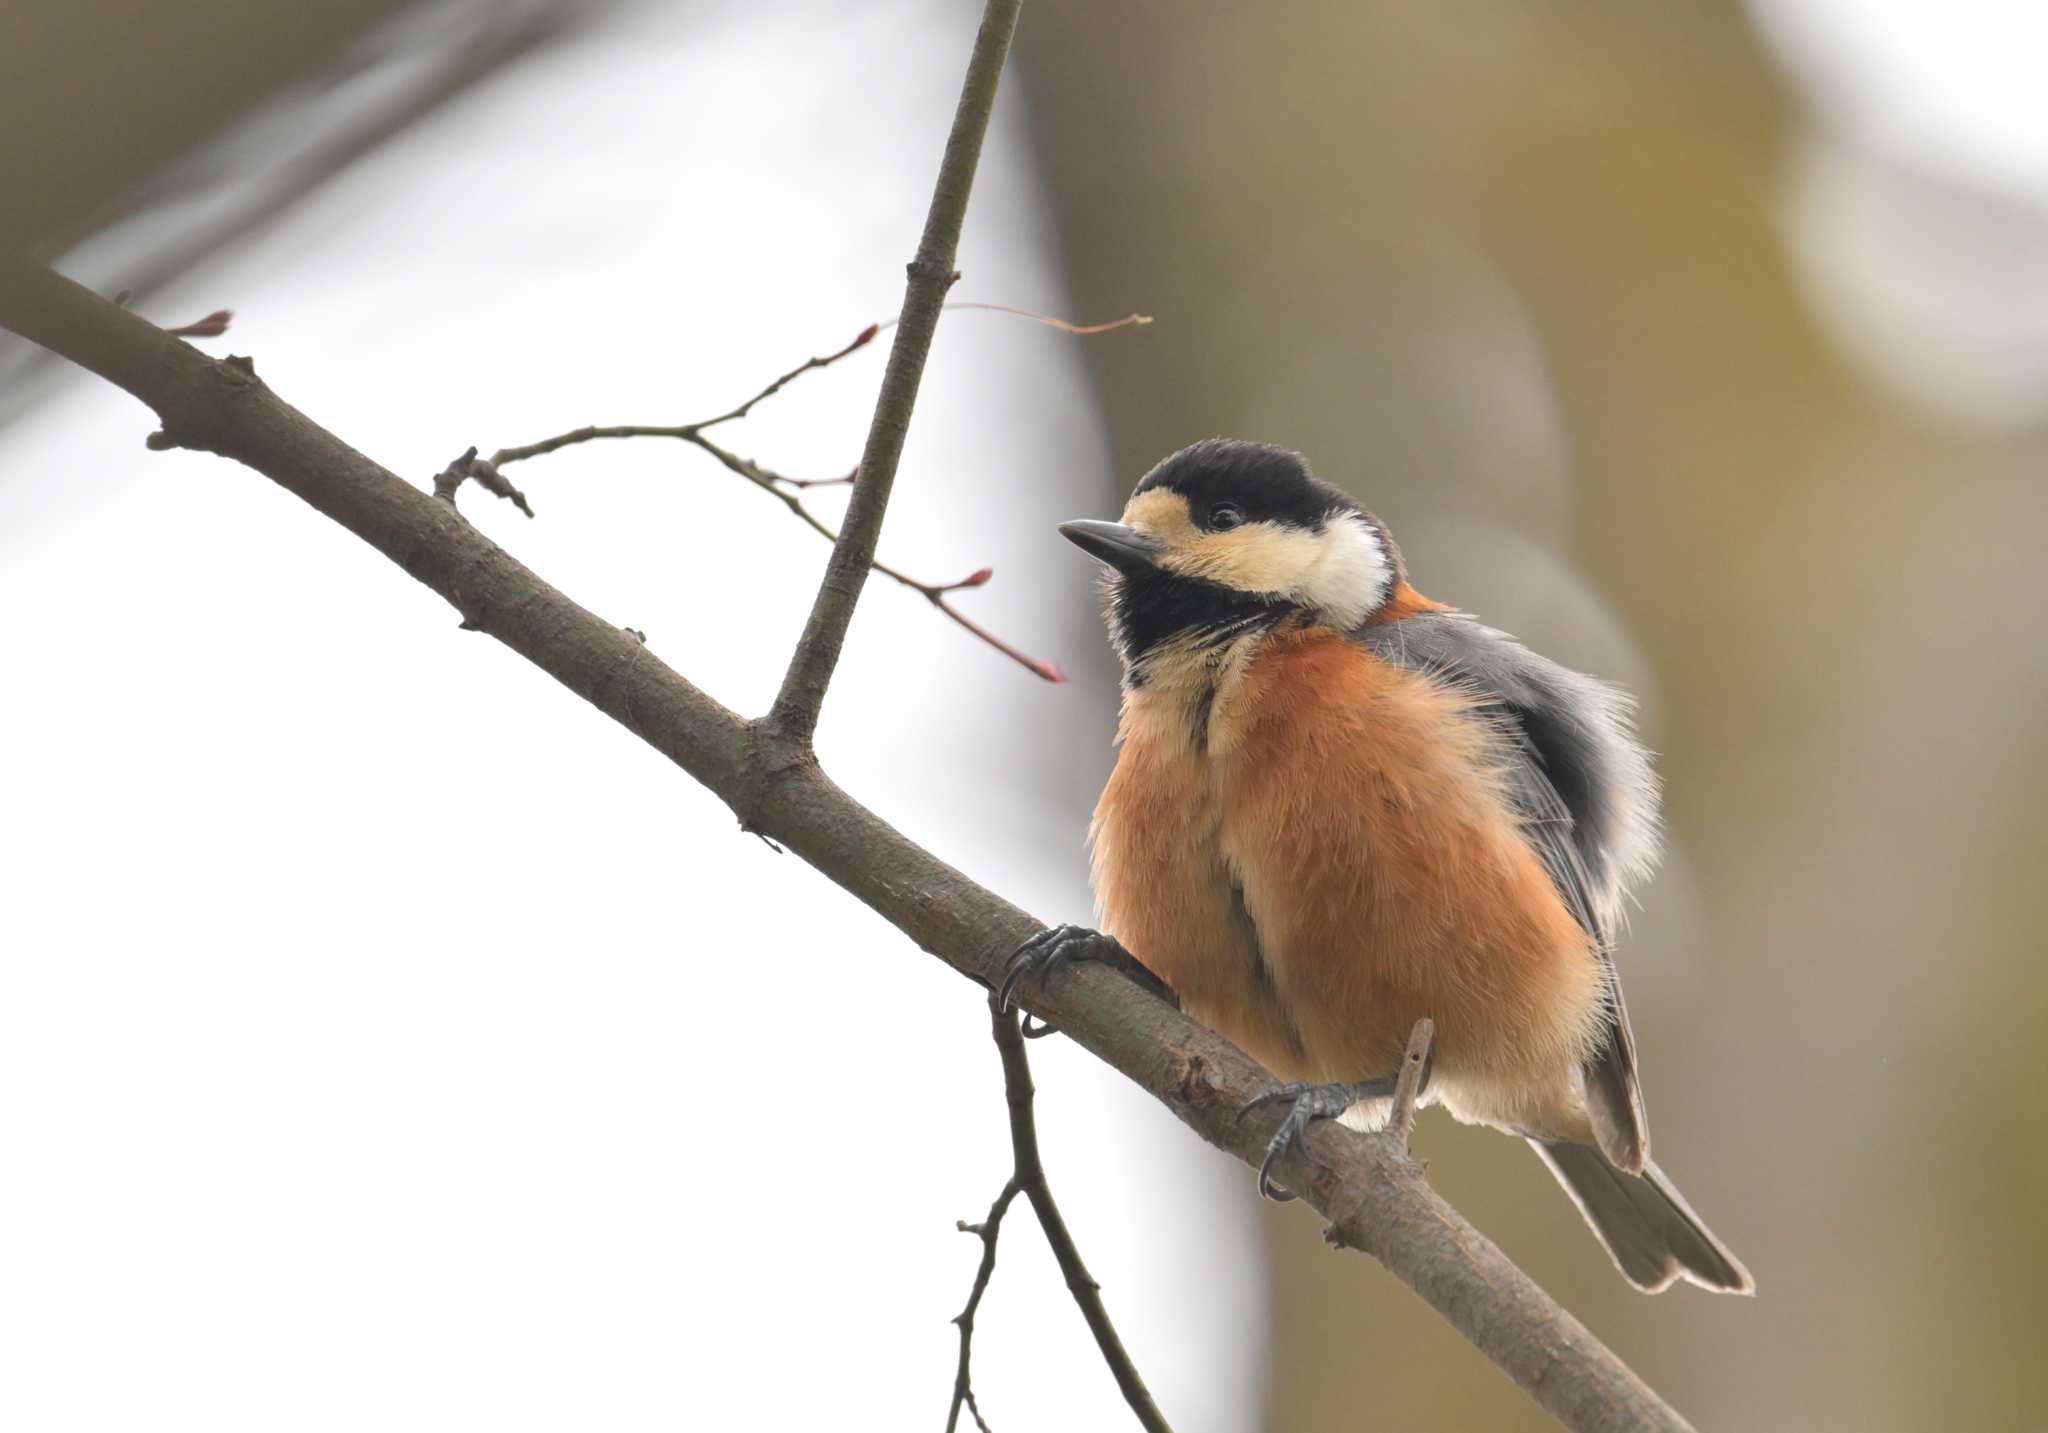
1375,1198
795,713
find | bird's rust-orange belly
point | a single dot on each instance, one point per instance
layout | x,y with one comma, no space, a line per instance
1320,853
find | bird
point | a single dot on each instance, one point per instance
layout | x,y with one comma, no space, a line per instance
1339,807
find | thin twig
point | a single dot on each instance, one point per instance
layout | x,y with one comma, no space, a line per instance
1079,330
845,479
587,434
1030,1175
802,694
860,340
776,485
780,486
690,432
987,1231
1408,1084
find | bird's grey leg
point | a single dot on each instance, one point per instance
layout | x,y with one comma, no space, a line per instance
1308,1103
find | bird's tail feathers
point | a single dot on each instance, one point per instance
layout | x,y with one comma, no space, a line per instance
1644,1221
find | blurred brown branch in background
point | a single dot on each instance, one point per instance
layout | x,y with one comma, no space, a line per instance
767,771
441,67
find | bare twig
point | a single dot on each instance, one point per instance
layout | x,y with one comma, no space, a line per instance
845,479
987,1231
860,340
1408,1084
780,486
590,433
795,713
1079,330
693,432
1030,1176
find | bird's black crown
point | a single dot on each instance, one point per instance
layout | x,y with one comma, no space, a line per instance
1268,484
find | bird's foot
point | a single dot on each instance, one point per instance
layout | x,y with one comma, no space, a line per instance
1307,1103
1062,945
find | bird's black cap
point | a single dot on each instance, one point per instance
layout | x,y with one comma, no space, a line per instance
1269,484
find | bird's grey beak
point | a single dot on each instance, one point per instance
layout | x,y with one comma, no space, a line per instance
1121,547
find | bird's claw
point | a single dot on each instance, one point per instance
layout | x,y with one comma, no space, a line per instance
1044,953
1061,945
1306,1104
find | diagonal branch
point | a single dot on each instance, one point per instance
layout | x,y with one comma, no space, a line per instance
1375,1197
795,713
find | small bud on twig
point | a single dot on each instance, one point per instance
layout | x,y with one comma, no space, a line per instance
212,326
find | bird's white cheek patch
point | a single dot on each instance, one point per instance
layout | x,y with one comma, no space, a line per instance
1350,576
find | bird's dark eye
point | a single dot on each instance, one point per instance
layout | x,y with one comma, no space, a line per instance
1225,516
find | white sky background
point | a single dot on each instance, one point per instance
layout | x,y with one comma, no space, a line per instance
386,1038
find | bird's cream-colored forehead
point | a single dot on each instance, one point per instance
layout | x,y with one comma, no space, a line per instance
1161,513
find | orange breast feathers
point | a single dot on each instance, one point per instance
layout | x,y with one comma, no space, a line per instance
1316,851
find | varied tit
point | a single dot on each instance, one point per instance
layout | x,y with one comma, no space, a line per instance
1339,807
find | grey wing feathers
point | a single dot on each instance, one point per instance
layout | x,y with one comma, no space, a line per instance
1588,802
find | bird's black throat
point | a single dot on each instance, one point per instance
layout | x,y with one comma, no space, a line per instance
1151,607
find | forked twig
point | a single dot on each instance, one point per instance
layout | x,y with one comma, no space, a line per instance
781,486
1029,1177
986,1231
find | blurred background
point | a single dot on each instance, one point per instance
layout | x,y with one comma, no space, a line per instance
381,1030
